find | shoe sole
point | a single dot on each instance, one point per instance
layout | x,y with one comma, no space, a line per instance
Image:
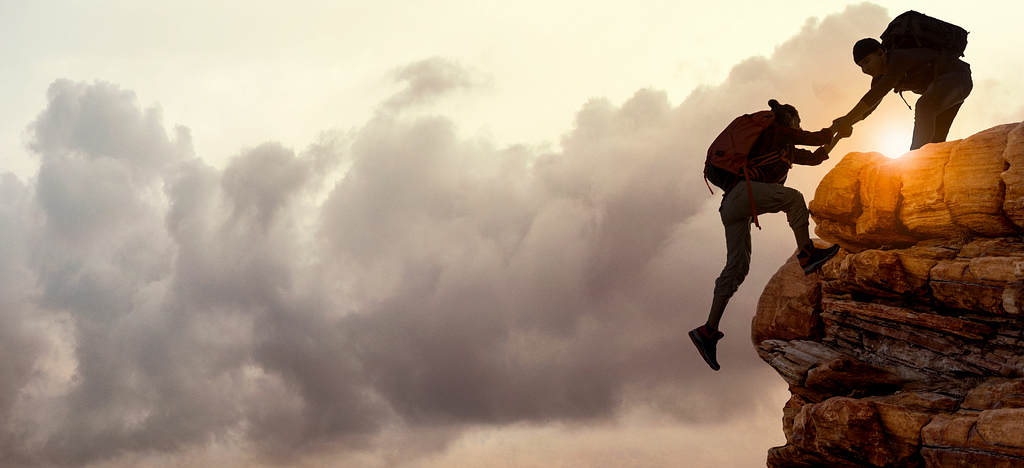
700,349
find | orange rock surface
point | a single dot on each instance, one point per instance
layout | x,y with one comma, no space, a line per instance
951,190
907,348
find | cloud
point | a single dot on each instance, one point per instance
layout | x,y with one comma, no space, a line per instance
397,278
430,79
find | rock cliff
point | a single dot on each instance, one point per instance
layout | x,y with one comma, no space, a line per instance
907,349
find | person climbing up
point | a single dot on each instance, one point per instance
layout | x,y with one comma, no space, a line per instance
920,54
768,163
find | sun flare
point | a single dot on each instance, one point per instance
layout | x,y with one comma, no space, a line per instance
894,143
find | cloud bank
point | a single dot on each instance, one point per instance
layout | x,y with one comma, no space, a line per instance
396,278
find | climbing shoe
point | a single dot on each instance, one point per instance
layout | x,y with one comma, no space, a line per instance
811,258
706,339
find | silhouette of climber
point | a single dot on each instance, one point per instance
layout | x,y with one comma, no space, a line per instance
769,161
943,81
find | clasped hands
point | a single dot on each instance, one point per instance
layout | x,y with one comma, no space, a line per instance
842,127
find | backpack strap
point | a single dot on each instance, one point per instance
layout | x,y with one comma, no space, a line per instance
706,162
753,207
915,24
904,100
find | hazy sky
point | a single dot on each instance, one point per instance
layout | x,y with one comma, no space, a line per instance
404,234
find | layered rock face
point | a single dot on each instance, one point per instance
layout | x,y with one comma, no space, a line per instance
907,349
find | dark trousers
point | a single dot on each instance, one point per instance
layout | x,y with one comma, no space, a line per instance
937,107
736,217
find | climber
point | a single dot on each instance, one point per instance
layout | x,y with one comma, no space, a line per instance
768,162
942,80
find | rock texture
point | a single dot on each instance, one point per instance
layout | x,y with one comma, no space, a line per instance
907,349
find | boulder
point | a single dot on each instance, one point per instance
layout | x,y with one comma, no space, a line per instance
973,186
924,212
907,348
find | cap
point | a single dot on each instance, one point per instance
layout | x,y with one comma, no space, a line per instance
865,47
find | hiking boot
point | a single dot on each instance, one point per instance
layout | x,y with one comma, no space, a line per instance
706,339
811,258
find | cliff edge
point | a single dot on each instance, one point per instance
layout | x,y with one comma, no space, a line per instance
907,349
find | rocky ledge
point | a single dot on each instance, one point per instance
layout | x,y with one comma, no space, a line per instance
907,349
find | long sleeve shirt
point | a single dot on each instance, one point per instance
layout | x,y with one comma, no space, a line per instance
774,153
909,70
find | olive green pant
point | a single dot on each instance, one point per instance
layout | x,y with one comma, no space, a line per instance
737,217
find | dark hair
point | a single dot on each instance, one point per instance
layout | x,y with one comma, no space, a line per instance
865,47
785,114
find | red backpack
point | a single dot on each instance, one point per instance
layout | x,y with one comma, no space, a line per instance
729,152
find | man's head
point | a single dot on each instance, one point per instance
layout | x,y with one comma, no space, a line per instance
871,57
785,114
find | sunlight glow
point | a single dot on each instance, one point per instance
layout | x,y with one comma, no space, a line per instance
894,143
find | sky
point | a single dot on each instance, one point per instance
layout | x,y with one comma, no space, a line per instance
405,234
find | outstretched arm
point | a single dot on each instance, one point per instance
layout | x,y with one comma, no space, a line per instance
802,137
809,158
844,125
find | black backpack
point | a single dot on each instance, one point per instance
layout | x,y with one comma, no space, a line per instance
913,29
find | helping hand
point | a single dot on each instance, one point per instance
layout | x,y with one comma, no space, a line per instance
842,127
